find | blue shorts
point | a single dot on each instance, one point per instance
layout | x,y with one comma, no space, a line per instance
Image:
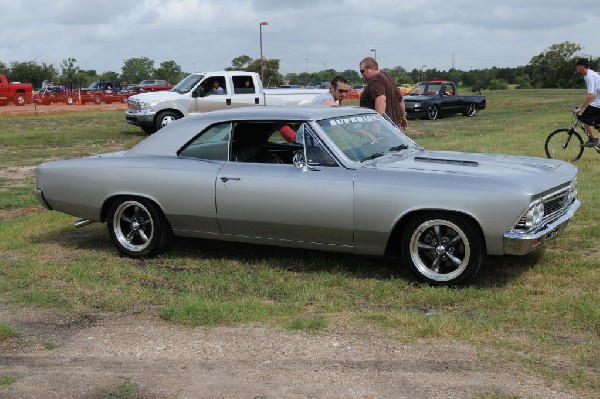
590,116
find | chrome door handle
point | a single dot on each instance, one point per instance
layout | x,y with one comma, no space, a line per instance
226,179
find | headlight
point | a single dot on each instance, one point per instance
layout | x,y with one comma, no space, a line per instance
144,106
572,191
417,105
534,216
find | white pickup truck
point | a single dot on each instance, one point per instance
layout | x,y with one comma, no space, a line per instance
196,94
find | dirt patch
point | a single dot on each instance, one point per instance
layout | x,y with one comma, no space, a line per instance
8,214
17,172
33,109
59,357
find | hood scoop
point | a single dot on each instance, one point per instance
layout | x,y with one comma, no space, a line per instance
446,161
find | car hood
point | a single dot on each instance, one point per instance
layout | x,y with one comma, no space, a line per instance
537,174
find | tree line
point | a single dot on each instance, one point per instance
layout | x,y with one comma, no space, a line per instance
552,68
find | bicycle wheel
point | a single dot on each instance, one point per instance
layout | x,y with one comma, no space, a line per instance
564,144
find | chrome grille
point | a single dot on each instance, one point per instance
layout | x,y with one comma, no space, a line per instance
555,205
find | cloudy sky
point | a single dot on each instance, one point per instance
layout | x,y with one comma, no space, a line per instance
305,35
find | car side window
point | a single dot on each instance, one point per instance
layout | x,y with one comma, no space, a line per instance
212,144
243,84
316,153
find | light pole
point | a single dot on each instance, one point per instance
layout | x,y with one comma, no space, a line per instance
374,50
262,64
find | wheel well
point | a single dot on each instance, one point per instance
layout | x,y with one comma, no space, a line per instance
178,112
111,200
393,244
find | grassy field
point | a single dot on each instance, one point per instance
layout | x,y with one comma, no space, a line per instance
539,314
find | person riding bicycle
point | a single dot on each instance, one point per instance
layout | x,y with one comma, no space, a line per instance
591,102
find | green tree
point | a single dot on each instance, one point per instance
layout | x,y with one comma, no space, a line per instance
110,76
169,71
4,68
553,68
134,70
241,63
32,72
69,69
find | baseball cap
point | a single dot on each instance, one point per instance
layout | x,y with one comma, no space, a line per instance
583,62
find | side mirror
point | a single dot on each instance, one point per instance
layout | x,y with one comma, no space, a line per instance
299,160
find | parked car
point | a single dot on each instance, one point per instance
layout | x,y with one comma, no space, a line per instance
103,92
436,98
150,85
355,92
406,88
318,85
329,178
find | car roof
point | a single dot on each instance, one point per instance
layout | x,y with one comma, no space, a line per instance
172,137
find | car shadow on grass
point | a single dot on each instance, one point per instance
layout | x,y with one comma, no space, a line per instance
496,271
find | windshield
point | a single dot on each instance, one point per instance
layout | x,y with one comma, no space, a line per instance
187,84
365,137
428,89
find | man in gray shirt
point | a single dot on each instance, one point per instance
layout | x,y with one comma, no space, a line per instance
339,87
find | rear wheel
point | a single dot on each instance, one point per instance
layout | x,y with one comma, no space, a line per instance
19,99
97,100
138,228
470,110
70,100
564,144
442,249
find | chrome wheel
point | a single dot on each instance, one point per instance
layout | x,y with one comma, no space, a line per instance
133,226
432,112
442,249
470,110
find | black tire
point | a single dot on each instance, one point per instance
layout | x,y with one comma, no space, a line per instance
138,228
164,118
70,100
19,99
442,249
564,144
432,112
471,110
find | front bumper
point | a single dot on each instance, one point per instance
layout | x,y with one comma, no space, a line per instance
521,244
142,118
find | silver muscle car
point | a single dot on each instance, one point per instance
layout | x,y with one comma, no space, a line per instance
330,178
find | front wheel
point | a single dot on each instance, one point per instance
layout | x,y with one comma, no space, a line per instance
432,112
564,144
138,228
442,249
164,118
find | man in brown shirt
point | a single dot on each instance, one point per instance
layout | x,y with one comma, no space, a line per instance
381,93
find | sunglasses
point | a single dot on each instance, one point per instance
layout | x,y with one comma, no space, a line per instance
342,91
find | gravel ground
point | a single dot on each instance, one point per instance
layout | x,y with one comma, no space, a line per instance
58,357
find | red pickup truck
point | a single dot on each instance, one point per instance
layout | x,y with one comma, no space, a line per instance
18,93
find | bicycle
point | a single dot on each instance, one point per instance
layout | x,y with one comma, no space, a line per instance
567,144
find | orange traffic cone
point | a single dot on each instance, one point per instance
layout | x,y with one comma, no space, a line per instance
80,101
